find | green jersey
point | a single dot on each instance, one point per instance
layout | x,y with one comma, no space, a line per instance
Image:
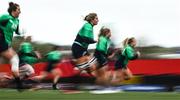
27,54
9,25
86,31
85,35
26,47
129,54
54,55
103,44
29,58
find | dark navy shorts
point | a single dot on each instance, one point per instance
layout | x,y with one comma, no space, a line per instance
101,58
3,44
78,51
119,63
51,65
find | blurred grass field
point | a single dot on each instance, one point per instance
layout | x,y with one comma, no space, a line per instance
12,94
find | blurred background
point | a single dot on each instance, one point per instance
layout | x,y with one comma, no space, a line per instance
154,23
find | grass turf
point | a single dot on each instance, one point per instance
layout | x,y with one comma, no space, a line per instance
11,94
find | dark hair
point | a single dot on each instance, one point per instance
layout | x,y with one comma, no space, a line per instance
56,48
90,17
28,39
128,41
103,31
12,7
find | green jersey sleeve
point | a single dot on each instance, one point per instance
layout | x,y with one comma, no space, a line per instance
4,20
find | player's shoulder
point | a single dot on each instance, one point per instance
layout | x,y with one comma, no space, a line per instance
103,38
5,16
128,47
87,25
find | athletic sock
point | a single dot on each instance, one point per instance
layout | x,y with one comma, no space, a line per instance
18,83
54,86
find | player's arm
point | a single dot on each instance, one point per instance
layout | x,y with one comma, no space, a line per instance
4,20
112,54
85,39
88,40
17,31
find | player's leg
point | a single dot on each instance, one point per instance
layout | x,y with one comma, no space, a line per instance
11,55
127,74
26,70
117,77
56,74
102,75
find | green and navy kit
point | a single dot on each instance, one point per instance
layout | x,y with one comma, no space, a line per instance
103,44
128,53
101,51
27,54
85,35
53,57
8,25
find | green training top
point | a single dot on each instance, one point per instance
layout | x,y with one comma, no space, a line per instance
103,44
26,47
8,25
28,58
86,31
54,55
27,54
129,54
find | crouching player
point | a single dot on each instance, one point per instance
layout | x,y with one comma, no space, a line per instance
27,57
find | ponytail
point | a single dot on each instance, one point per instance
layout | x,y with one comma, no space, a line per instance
125,42
104,31
12,7
128,41
90,17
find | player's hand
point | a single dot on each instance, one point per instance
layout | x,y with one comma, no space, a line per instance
138,54
22,32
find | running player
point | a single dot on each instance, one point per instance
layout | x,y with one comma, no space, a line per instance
9,24
84,37
101,54
122,71
53,58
